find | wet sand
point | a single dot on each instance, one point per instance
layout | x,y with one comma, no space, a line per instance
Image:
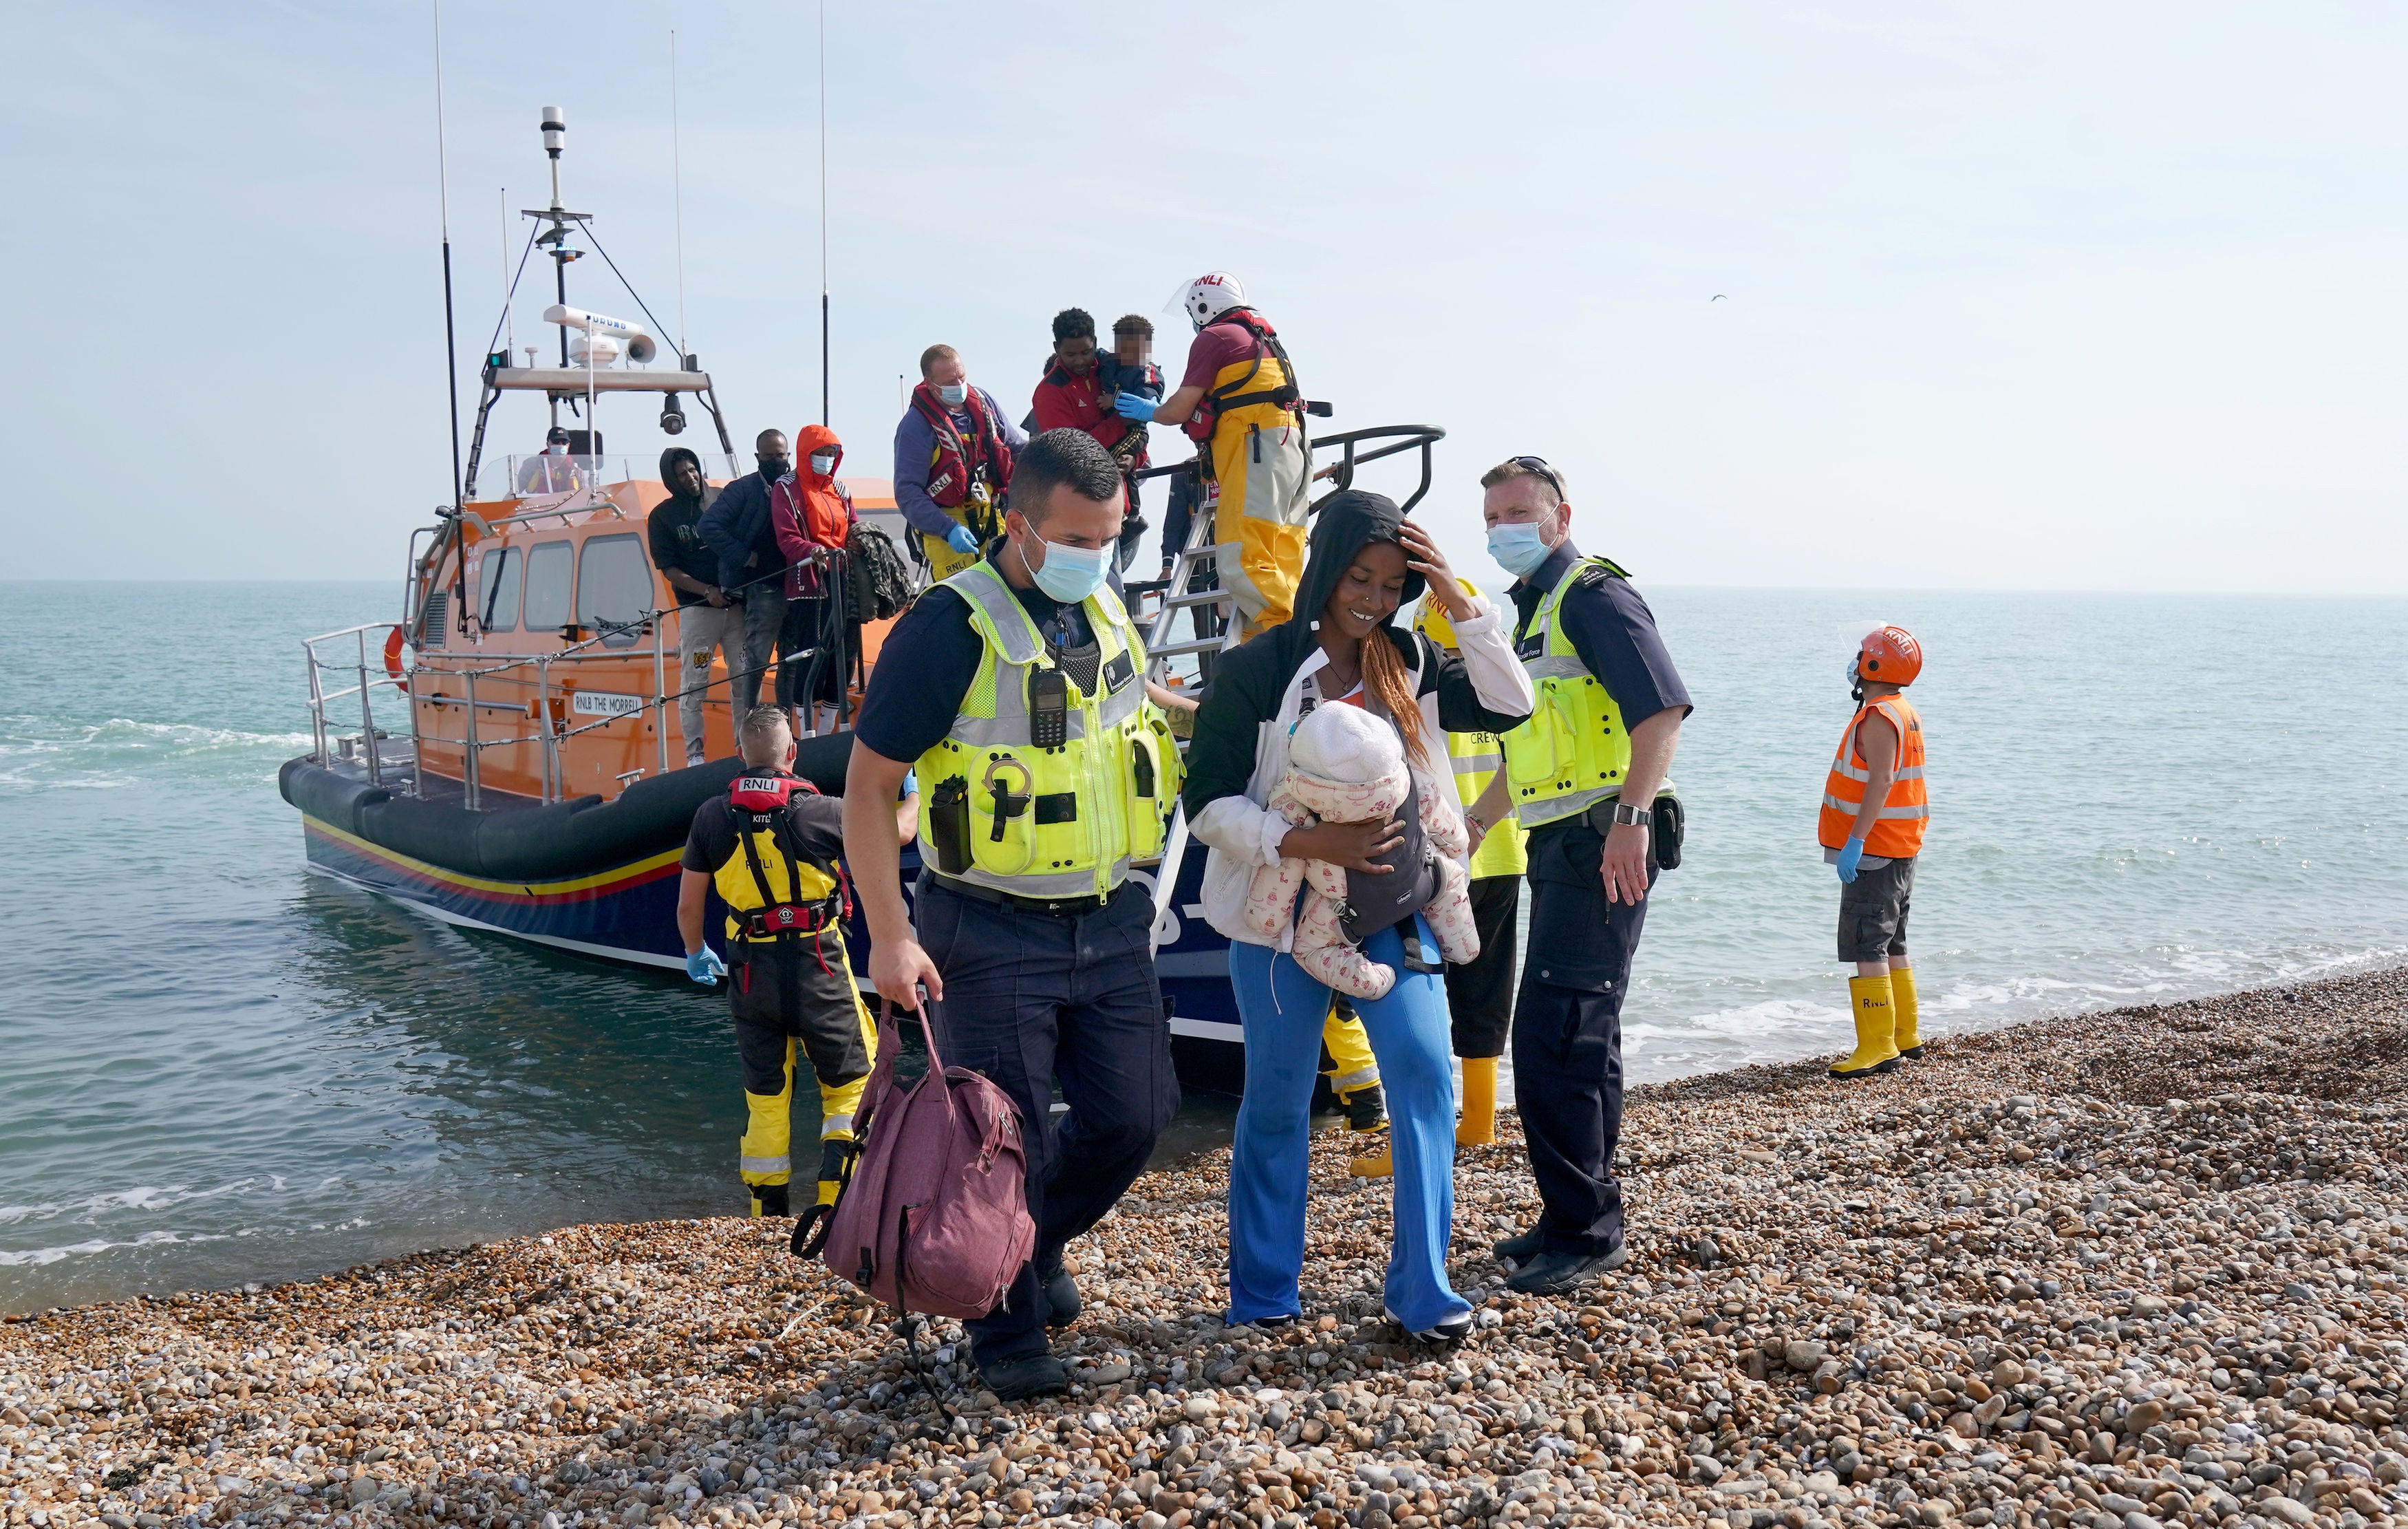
2118,1270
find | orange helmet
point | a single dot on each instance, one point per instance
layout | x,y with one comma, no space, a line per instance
1890,655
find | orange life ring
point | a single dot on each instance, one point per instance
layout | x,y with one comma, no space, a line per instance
393,658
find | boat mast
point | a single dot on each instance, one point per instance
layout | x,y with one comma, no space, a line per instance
555,135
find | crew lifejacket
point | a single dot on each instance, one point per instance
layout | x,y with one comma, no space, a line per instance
774,895
1898,832
1058,774
1476,757
1573,750
975,470
1258,394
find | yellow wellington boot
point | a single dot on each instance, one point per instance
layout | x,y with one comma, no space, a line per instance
1876,1049
1380,1163
1478,1125
1901,998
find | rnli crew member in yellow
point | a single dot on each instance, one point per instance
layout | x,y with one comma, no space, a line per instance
1239,401
1871,828
770,845
1353,1073
1480,992
952,462
1582,772
1018,686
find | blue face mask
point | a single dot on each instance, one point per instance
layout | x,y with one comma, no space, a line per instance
953,394
1517,549
1069,574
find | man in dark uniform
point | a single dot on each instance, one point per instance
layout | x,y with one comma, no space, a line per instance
1002,683
1582,775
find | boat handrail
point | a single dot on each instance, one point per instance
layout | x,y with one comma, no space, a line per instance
551,730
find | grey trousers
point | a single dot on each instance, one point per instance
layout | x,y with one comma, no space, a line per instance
702,629
764,613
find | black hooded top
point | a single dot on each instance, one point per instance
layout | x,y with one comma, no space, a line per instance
670,528
1252,681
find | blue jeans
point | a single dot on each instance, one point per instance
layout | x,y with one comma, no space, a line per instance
1283,1009
1031,999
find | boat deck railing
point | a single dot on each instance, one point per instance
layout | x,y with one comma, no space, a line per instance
519,688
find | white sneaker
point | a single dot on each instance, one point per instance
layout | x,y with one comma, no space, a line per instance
1453,1330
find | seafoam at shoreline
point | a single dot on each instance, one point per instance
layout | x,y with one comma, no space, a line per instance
2110,1271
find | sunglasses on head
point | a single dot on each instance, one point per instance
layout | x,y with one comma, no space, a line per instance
1538,464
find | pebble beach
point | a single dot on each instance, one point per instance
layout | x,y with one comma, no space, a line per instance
2120,1270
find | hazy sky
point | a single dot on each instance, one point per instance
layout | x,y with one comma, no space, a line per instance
2017,296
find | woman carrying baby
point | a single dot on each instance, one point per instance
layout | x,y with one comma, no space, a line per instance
1341,648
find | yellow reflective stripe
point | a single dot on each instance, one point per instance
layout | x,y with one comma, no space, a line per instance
1050,884
765,1165
1473,764
835,1125
1555,667
1360,1078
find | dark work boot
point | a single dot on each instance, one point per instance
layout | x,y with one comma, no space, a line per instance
770,1199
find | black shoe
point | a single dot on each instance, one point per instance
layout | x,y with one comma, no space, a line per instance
1912,1053
1553,1274
1453,1330
1367,1108
1018,1379
1519,1248
770,1199
1061,1294
1265,1325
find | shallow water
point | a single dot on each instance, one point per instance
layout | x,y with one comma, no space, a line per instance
219,1068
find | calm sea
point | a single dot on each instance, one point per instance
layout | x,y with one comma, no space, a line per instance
215,1068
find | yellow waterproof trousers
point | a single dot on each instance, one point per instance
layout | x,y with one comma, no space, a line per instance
766,1153
1260,490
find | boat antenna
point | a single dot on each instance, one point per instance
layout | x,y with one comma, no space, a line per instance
508,287
677,184
443,201
826,415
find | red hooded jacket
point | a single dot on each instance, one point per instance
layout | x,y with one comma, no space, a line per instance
811,513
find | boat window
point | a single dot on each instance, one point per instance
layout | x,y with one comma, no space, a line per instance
614,588
498,590
547,586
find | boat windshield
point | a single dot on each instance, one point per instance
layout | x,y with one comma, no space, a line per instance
548,474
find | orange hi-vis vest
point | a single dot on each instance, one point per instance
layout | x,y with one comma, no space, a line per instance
1899,831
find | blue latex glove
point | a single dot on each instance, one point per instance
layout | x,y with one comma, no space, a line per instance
1136,406
960,539
705,966
1849,856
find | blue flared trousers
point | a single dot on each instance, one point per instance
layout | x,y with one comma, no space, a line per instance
1283,1009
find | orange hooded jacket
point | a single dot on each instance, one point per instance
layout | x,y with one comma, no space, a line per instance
811,513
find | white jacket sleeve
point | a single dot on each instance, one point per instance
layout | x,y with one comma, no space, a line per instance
1488,662
1236,828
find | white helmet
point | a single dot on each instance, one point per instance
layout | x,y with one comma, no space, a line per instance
1209,296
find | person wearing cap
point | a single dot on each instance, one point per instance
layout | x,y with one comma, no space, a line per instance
1871,828
553,472
1239,400
1582,775
1480,991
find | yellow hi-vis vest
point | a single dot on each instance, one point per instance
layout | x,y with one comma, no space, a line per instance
1477,756
1059,821
1573,752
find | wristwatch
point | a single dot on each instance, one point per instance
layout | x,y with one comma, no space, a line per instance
1476,820
1624,812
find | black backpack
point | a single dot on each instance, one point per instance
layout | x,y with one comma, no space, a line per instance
878,587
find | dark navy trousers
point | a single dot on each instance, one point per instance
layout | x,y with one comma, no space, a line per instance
1032,999
1567,1039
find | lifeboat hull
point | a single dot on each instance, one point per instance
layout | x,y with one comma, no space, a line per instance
600,879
